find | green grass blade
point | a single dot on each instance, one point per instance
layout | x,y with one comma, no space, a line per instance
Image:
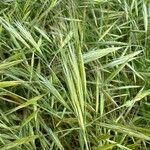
96,54
19,142
31,101
4,84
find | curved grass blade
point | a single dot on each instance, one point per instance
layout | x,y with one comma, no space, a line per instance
7,65
96,54
31,101
19,142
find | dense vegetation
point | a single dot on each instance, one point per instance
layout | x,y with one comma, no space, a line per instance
75,75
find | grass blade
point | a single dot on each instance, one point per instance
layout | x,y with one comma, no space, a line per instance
96,54
19,142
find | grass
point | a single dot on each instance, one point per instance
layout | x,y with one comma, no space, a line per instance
74,75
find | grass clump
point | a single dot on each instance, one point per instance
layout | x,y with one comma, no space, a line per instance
74,75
